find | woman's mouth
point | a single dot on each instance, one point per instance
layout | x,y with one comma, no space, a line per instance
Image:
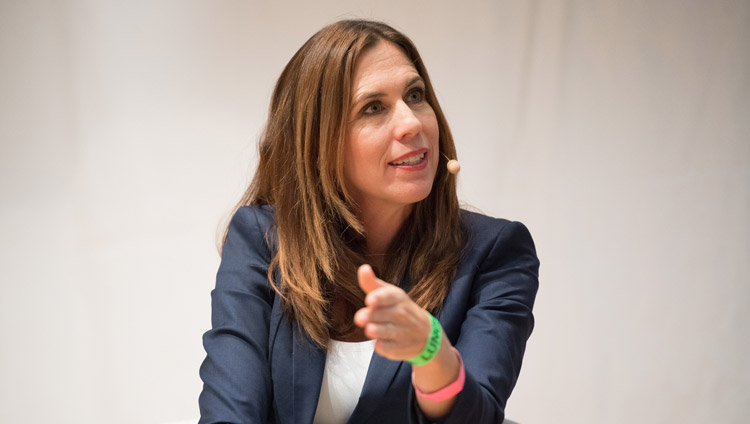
410,161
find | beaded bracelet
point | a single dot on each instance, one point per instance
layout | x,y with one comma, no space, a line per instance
448,391
432,346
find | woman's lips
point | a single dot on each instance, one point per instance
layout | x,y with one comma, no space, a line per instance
410,158
412,161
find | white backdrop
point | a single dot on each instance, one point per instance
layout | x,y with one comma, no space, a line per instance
617,130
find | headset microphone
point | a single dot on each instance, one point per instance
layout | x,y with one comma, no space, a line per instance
452,165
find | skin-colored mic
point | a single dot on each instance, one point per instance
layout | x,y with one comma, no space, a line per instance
452,165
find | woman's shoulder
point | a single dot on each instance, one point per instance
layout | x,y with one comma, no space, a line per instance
252,221
261,216
486,231
476,222
250,231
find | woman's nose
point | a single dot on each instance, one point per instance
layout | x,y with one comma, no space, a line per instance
405,122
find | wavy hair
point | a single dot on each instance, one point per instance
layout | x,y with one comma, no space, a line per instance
318,241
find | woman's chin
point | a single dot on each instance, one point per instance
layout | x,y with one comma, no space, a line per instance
415,195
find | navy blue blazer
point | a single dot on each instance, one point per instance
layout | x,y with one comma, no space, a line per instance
261,368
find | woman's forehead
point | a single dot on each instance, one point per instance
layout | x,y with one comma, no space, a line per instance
380,64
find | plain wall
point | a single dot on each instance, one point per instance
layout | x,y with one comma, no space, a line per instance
617,131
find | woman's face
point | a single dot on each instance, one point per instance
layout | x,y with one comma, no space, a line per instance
391,152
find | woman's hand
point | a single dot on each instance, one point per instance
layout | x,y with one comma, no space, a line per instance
400,327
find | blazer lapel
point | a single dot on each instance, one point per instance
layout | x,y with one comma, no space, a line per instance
308,364
380,376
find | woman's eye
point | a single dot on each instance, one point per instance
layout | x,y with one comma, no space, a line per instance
416,95
373,109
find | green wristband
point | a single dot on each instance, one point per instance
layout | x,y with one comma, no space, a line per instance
432,346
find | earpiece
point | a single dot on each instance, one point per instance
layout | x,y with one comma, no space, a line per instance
453,166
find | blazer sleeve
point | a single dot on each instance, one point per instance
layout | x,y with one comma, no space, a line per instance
497,325
236,374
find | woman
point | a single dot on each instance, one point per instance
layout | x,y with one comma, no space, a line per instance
352,184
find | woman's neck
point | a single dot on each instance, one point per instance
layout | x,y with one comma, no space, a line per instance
381,226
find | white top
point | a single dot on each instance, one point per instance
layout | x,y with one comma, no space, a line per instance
343,379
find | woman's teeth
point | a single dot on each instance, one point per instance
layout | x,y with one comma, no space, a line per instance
412,160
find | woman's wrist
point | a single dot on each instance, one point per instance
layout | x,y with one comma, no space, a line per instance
450,390
441,371
433,344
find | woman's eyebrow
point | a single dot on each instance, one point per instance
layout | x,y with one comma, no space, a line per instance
368,96
377,94
414,81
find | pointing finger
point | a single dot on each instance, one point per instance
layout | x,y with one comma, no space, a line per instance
367,280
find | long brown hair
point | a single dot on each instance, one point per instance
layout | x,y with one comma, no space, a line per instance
318,240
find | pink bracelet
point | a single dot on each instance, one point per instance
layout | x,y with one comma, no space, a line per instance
448,391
